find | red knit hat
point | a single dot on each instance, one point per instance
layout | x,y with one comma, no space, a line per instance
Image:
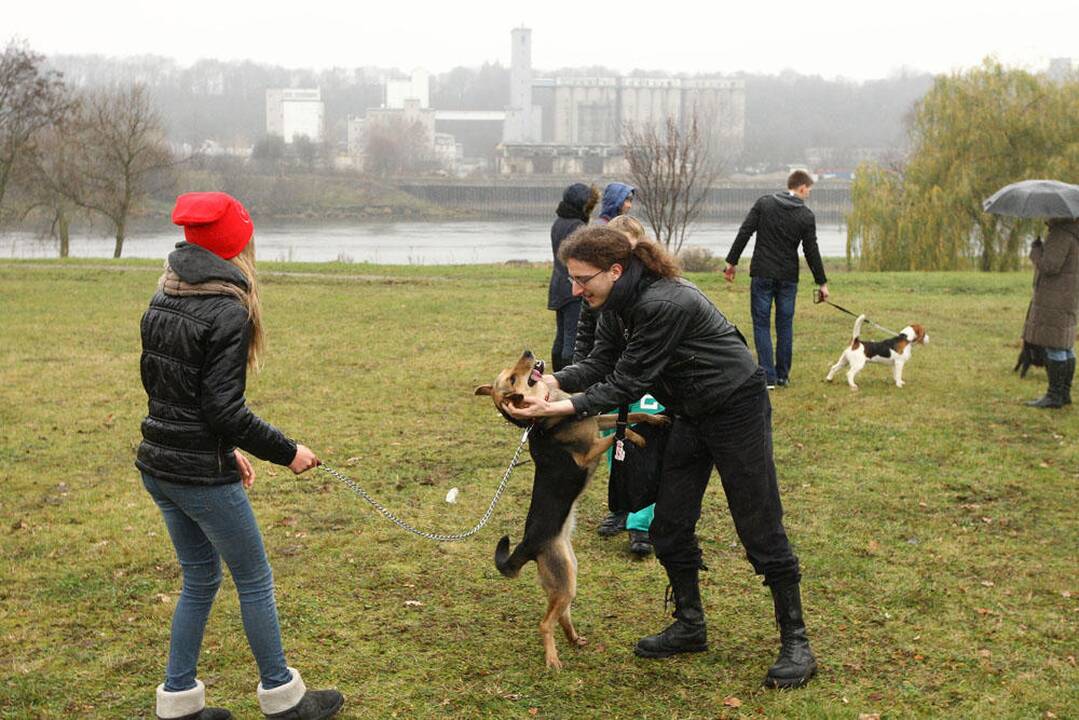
214,220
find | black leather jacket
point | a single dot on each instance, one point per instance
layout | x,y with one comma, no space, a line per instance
669,340
194,370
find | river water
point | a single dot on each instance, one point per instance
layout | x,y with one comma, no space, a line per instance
400,243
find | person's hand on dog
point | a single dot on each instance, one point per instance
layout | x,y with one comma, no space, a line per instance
304,460
247,472
534,407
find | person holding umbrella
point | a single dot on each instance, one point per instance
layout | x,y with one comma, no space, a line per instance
1054,308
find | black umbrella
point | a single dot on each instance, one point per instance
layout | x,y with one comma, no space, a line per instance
1035,199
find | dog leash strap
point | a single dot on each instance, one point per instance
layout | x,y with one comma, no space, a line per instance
436,537
843,309
620,426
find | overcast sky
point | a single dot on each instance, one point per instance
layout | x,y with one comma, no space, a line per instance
854,39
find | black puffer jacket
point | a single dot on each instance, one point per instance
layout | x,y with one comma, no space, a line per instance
665,338
194,370
571,217
782,222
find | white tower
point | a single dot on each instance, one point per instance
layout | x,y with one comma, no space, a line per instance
522,119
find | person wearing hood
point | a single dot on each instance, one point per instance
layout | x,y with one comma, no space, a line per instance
1054,309
781,222
617,200
574,212
657,333
201,334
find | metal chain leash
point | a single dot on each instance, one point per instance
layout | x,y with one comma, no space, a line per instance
437,537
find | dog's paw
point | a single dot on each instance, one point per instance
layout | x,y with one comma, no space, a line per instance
900,384
580,641
553,663
854,388
658,420
827,378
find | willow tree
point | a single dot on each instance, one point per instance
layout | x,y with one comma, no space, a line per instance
972,133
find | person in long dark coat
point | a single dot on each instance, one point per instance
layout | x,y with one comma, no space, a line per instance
578,202
1051,318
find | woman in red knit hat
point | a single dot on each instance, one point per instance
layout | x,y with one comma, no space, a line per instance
200,335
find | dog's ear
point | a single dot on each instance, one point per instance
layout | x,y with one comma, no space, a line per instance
483,390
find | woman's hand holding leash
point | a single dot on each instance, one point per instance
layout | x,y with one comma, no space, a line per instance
304,460
822,292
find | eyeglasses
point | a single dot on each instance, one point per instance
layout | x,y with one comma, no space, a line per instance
581,282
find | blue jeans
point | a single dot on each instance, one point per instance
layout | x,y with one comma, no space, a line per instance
762,292
1059,354
206,524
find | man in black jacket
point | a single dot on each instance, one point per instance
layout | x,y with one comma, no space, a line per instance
782,222
659,334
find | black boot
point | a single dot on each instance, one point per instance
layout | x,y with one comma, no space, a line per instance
796,664
1059,378
687,633
293,701
1066,381
187,705
640,543
613,524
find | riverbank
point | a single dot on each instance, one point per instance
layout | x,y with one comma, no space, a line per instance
933,523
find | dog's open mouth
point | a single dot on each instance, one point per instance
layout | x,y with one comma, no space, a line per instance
536,374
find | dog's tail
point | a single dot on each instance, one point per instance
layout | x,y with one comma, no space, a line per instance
509,564
858,327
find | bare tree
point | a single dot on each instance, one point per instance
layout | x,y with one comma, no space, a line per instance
54,177
127,158
673,166
31,98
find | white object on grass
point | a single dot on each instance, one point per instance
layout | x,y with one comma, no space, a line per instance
451,496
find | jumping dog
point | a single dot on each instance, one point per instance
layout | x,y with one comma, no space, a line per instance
565,452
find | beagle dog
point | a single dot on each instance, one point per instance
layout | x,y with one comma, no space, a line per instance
894,351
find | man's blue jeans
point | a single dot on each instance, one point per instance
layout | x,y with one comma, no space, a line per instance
762,293
208,523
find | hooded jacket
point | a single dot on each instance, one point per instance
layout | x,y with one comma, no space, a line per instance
614,195
194,370
1054,308
571,217
664,337
782,222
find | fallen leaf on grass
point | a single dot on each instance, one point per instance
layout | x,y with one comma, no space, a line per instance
19,525
988,583
533,711
872,547
868,716
287,521
162,598
413,603
732,701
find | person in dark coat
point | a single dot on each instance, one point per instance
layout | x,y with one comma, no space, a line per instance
781,222
200,335
1051,318
573,213
659,334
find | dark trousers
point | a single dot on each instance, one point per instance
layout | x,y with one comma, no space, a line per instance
763,292
566,318
737,440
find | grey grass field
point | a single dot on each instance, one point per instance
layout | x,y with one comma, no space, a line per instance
936,524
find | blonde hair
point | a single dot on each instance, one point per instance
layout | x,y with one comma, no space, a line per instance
629,226
245,261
